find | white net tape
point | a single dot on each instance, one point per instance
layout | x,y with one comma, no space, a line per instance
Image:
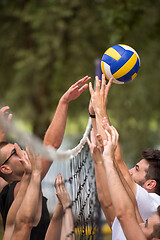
47,151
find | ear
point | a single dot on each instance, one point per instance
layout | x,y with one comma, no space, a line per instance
150,184
5,169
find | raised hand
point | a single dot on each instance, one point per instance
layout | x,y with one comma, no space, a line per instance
95,151
35,160
24,159
100,95
4,116
61,192
76,89
110,144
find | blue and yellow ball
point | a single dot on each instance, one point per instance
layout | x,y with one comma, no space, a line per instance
120,62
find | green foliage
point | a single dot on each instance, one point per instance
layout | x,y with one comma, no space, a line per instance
47,45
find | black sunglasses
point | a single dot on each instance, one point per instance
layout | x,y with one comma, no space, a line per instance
13,152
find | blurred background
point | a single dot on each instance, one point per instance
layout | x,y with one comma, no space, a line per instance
46,46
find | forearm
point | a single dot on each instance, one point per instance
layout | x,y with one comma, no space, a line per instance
103,192
129,191
28,209
118,155
67,226
100,115
54,229
18,200
124,171
101,183
11,216
121,201
55,132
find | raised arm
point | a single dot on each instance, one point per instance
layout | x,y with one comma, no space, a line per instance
122,202
99,99
61,225
55,132
29,212
54,228
67,232
97,110
124,182
4,116
101,182
10,222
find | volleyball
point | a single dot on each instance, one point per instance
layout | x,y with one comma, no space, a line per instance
121,62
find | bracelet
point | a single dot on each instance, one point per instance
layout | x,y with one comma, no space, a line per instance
69,206
92,115
70,234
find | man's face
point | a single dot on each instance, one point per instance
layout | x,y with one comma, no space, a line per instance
138,172
8,152
148,226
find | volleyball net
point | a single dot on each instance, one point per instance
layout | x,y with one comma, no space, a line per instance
77,168
79,175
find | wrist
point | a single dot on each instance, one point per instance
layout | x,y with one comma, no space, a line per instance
108,157
98,162
36,173
63,100
92,115
100,113
68,207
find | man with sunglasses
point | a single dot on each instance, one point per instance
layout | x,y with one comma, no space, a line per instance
12,153
11,169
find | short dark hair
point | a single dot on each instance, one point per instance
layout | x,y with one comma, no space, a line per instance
153,172
3,143
156,228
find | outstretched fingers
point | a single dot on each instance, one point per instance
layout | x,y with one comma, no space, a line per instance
112,136
91,88
83,88
103,85
61,192
115,135
24,159
82,81
108,86
35,160
3,112
100,143
98,84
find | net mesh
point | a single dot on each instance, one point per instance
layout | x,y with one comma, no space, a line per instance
79,176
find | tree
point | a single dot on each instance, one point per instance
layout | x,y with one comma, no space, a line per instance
46,46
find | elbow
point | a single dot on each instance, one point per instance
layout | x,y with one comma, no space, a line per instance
124,215
25,220
56,145
100,197
52,144
120,213
105,204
